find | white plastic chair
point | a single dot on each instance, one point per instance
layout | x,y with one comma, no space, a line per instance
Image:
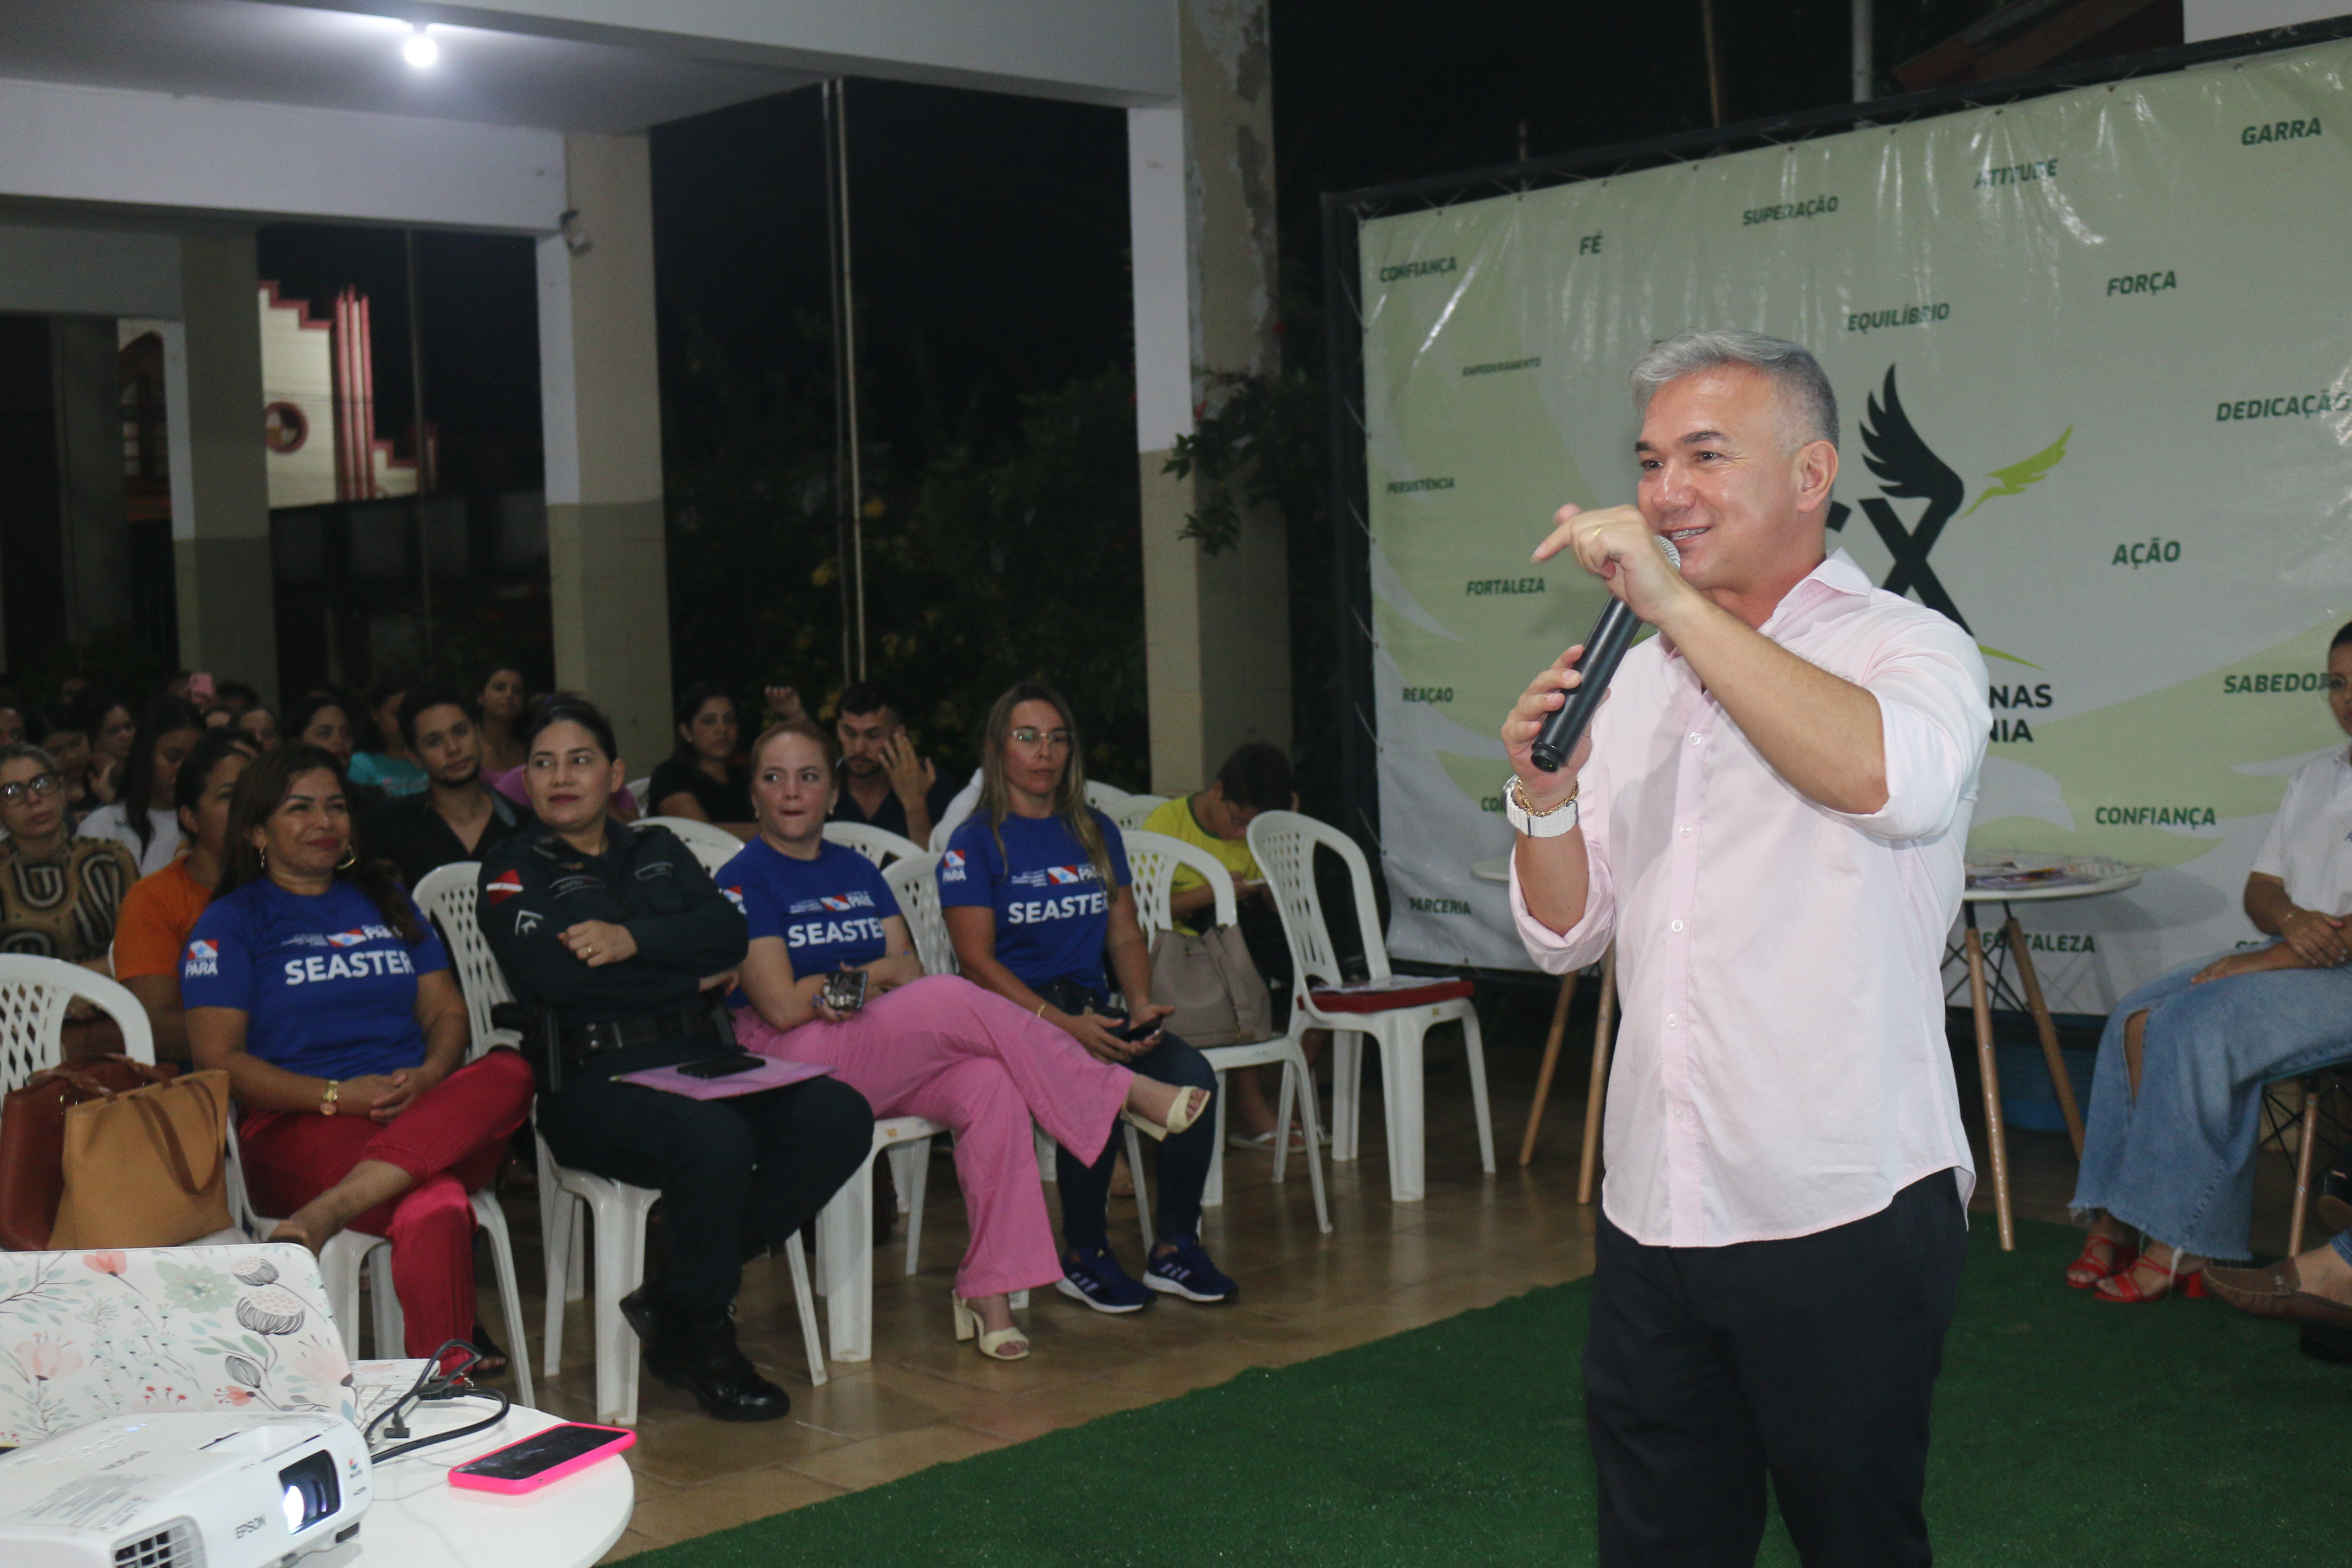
1153,858
844,1232
1104,797
878,844
914,882
617,1209
1130,813
34,994
642,789
714,847
1284,843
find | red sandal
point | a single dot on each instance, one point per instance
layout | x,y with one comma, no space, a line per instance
2125,1290
2090,1266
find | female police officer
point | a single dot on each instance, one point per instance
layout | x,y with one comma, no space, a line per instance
618,930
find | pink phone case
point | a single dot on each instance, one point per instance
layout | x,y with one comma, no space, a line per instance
622,1438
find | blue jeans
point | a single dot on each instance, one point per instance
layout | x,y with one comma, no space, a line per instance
2177,1162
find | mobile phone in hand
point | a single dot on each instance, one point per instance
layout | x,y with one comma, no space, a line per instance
845,990
1135,1034
720,1067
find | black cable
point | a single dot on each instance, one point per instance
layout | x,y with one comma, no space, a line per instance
435,1384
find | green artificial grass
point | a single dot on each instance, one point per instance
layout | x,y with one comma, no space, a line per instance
2068,1431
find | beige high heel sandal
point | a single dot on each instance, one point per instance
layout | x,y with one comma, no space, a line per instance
996,1344
1189,1107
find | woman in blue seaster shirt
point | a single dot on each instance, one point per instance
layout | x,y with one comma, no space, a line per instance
939,1048
1033,887
315,984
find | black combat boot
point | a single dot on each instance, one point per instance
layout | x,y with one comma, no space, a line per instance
693,1350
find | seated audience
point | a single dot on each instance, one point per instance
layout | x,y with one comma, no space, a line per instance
701,780
141,818
2168,1147
1256,778
619,932
259,724
323,992
70,750
160,912
500,704
110,728
458,817
1034,892
939,1047
237,698
13,729
60,895
320,718
389,766
884,783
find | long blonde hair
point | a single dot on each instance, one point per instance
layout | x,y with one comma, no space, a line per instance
1069,796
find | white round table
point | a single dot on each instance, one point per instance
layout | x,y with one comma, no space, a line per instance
419,1518
1981,984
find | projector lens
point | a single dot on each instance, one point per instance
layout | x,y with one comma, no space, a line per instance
312,1493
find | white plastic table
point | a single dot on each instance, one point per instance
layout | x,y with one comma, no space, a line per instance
418,1517
1980,987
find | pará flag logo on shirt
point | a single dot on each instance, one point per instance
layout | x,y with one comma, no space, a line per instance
833,902
952,868
506,885
735,896
1066,874
202,951
346,938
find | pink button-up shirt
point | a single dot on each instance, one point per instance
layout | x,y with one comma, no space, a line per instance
1782,1066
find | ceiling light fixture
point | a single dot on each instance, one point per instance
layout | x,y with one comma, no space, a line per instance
418,49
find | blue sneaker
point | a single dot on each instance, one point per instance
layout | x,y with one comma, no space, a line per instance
1186,1271
1095,1277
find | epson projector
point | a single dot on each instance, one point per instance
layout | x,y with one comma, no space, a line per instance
221,1490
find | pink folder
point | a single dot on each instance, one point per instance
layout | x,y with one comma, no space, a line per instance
771,1073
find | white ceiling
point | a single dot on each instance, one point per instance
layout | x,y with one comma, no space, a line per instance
276,52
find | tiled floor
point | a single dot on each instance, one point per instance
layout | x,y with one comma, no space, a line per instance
1384,1268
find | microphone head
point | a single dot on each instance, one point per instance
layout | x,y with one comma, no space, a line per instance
1674,556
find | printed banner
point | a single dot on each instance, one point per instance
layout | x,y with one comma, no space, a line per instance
2094,375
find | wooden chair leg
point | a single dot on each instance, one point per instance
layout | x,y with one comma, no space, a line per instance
2305,1157
1996,1138
1550,1061
2048,1030
1596,1094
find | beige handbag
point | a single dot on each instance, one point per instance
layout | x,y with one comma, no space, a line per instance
148,1168
1219,996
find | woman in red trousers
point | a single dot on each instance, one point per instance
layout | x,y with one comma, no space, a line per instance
315,984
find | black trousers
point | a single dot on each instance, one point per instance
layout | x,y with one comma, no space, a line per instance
1810,1359
750,1170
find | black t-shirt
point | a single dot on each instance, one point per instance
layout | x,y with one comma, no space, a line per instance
729,801
414,837
891,814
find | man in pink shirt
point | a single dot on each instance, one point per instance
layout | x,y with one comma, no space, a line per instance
1767,817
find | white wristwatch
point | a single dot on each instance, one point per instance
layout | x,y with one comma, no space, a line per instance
1551,824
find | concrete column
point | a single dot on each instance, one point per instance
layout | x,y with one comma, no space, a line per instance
601,397
220,487
1200,184
95,514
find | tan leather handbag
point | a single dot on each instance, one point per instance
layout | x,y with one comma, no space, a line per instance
148,1168
1219,996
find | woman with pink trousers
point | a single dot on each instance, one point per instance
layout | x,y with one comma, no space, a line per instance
937,1047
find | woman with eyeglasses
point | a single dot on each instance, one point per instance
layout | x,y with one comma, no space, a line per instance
619,932
1033,888
2167,1177
321,990
60,894
936,1046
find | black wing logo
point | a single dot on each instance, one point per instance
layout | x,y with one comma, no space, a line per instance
1908,467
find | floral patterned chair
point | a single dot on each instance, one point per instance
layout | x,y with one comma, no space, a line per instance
85,1336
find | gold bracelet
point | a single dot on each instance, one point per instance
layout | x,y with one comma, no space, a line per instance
1529,806
327,1101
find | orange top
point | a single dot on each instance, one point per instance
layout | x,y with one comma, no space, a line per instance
158,914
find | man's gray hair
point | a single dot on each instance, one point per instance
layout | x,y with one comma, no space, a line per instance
1809,406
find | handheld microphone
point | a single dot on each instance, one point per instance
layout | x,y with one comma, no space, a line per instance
1612,634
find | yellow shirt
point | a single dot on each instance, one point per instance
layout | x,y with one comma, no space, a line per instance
1176,820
